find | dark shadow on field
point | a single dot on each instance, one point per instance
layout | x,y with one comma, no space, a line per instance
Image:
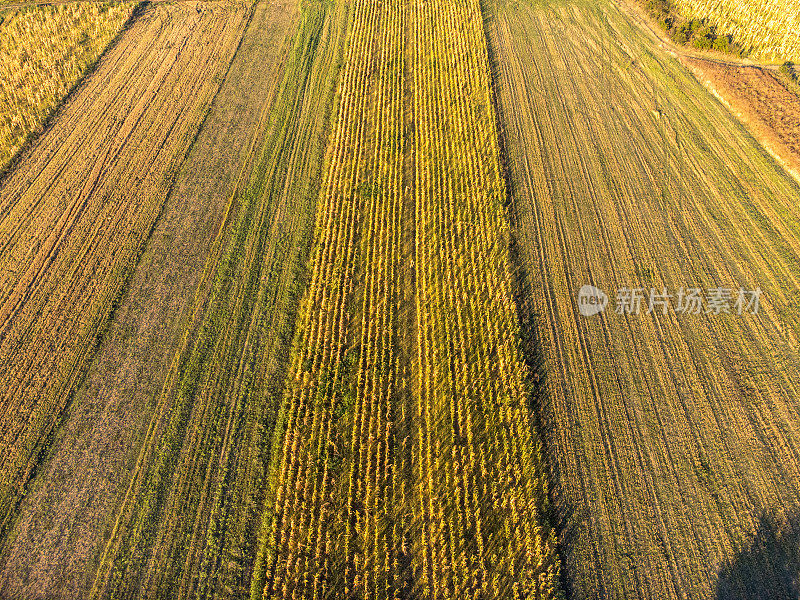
769,568
559,512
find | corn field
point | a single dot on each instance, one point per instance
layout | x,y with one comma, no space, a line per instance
444,491
765,29
287,305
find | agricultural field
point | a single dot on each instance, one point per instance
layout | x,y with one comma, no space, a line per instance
44,52
408,468
75,212
289,309
188,522
765,29
79,489
228,436
672,438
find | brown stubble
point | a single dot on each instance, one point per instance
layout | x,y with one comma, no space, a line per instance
767,104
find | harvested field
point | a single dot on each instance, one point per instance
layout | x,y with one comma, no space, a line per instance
188,521
44,52
72,503
672,437
75,213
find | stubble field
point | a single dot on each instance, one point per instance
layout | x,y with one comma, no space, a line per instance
75,212
673,438
44,52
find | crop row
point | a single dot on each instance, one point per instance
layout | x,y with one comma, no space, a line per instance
326,525
479,476
372,562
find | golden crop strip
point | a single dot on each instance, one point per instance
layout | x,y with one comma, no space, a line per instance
445,489
371,552
478,474
74,215
321,531
767,29
44,51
